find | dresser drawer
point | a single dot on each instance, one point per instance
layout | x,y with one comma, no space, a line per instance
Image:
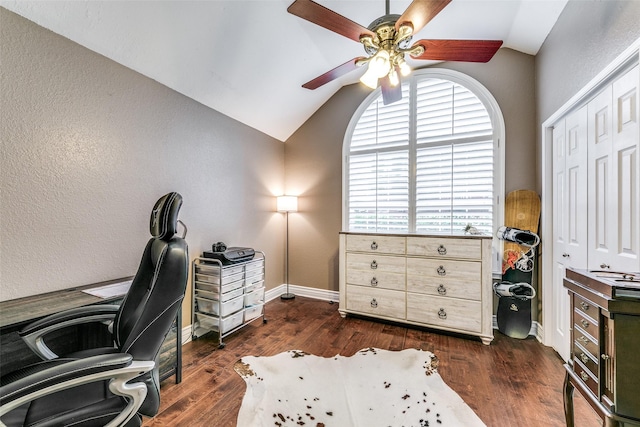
376,279
590,363
585,323
586,377
443,312
376,263
376,302
444,277
376,243
444,248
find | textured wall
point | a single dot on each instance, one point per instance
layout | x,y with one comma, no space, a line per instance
587,37
87,148
313,157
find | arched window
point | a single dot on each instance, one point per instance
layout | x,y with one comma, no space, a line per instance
429,163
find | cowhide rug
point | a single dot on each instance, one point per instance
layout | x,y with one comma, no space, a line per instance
372,388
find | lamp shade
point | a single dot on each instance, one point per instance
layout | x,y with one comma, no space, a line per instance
287,203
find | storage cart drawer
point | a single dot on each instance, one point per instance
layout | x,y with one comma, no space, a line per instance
254,297
216,296
217,289
220,308
220,324
251,313
210,278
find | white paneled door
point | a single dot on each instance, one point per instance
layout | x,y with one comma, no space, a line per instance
569,216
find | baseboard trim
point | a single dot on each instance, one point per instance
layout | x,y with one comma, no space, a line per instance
326,295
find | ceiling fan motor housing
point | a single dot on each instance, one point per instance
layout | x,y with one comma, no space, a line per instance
385,30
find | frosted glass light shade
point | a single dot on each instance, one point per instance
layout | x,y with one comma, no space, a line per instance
287,204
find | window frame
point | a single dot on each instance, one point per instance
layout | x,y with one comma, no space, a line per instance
497,122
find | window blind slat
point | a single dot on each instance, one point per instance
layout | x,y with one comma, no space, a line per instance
453,162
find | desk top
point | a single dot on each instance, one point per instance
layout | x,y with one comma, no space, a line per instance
27,309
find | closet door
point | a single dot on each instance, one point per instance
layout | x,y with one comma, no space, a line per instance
614,234
569,216
602,212
626,137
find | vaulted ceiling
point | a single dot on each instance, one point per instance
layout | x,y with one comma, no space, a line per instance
248,59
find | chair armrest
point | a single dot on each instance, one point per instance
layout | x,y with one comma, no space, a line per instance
52,376
33,334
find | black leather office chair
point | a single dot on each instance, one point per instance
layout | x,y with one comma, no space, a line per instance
111,386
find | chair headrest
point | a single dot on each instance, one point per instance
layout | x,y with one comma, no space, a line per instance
164,216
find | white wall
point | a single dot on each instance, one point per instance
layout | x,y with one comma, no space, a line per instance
88,146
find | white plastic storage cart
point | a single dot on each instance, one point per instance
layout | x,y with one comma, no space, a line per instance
226,297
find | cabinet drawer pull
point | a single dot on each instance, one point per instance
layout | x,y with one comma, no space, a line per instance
584,375
442,314
584,323
442,250
374,264
605,357
584,305
442,290
374,282
441,271
584,358
583,339
374,303
565,255
374,246
603,265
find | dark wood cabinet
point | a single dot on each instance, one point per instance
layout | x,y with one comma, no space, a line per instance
605,359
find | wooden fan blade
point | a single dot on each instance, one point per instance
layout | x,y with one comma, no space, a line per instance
459,50
330,75
390,94
420,12
327,18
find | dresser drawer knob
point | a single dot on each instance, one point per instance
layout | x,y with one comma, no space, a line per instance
442,314
584,305
584,358
442,290
584,323
584,375
442,250
374,264
374,282
583,339
374,246
374,303
441,271
605,357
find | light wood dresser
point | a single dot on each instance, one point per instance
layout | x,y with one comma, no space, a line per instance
435,281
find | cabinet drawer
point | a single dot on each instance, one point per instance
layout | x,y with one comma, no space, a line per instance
586,341
376,263
376,279
375,243
444,248
447,313
585,306
377,302
443,277
586,377
585,323
581,354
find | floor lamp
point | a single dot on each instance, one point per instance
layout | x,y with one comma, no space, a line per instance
287,204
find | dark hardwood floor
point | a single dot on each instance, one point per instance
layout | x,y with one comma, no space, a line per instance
509,383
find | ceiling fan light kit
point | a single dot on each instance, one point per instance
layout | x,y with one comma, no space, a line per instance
387,40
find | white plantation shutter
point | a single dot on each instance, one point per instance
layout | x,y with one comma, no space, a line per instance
423,164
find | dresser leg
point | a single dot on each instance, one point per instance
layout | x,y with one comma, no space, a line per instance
568,401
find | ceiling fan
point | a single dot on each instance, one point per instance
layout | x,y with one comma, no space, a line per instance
386,42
